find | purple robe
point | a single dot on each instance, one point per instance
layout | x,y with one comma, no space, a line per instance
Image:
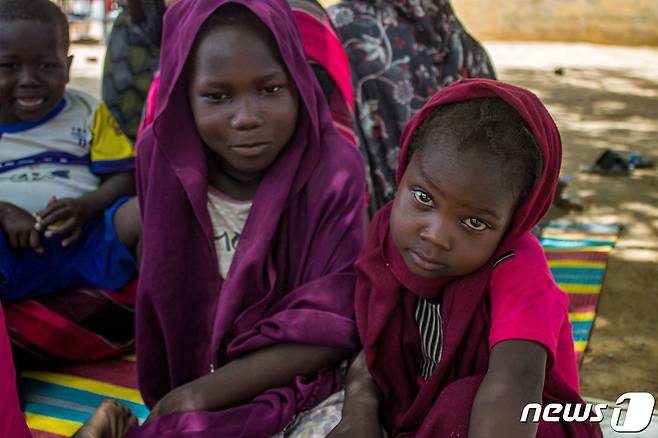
292,276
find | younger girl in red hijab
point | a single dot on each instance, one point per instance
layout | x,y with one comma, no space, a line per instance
461,322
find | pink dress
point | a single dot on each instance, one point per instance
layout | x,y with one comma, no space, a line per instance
527,304
12,422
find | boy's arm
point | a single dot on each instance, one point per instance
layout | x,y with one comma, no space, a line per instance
73,213
515,378
244,378
361,406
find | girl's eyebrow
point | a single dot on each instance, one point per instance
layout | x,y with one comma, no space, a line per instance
260,79
483,210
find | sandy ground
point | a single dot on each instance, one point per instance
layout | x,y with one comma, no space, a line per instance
606,98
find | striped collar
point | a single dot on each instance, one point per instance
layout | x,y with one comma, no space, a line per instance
24,126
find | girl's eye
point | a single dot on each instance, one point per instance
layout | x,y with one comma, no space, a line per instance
272,89
423,198
217,97
475,224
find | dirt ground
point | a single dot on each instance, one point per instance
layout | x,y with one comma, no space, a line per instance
607,97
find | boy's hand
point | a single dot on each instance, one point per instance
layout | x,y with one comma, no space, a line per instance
64,216
18,224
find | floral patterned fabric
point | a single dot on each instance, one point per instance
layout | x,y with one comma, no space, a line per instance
401,52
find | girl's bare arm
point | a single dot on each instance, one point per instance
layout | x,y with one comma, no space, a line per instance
243,379
361,406
515,378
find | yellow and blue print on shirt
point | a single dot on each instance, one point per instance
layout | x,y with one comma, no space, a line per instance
62,155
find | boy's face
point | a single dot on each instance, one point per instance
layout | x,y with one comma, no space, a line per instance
243,101
451,211
34,70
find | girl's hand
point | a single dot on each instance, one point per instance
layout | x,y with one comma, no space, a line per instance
361,405
64,216
181,399
356,425
18,225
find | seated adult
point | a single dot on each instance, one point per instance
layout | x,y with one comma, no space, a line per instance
401,53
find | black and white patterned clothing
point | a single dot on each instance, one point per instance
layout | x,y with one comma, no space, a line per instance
428,318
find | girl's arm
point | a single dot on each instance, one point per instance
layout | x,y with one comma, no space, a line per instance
243,379
361,407
514,379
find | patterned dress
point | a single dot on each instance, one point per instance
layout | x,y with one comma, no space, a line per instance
131,60
401,53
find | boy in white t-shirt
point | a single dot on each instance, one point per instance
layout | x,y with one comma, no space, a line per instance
64,165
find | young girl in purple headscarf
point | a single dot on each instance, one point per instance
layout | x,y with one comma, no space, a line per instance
253,214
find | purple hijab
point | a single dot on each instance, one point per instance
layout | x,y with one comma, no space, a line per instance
292,277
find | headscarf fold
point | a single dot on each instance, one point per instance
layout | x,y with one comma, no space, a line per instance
387,292
291,279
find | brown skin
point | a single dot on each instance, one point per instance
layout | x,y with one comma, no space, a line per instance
73,213
33,71
110,420
450,213
243,379
33,75
360,417
18,226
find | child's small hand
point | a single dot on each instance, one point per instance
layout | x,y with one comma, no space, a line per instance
18,225
355,426
181,399
64,216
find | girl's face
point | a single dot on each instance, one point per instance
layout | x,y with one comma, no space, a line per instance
243,101
451,211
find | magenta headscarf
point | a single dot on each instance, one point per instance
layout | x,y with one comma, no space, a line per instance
387,291
292,277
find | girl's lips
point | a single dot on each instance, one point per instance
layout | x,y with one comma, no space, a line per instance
425,264
250,150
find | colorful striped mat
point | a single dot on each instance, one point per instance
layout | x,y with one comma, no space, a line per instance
59,401
577,255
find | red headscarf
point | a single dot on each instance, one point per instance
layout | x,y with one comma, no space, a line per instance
386,294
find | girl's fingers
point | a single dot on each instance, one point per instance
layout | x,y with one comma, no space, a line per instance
72,238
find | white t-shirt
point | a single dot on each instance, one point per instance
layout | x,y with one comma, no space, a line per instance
63,154
228,217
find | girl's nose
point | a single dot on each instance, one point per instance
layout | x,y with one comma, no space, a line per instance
246,115
438,234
